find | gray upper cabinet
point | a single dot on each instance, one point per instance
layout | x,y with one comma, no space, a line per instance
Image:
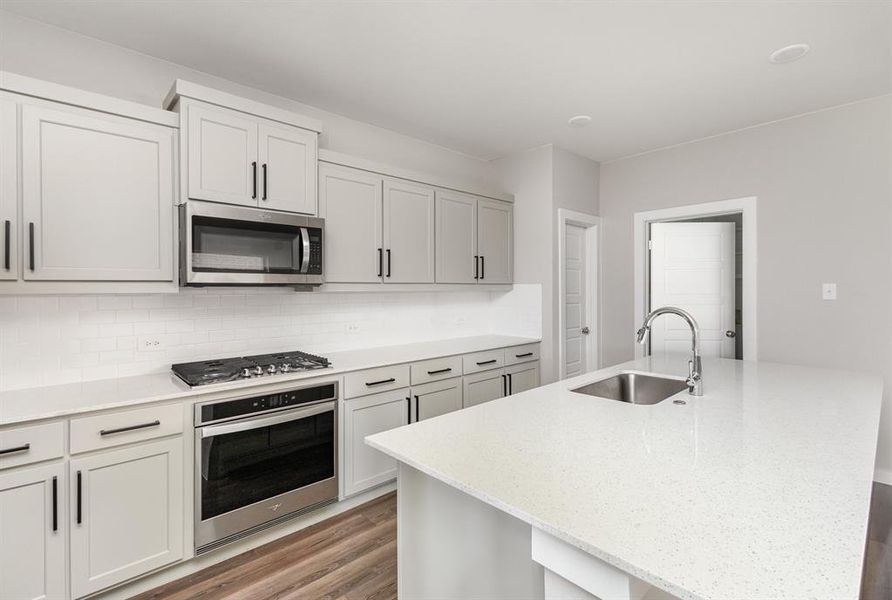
9,186
456,237
408,232
350,201
495,241
287,159
239,158
222,155
97,196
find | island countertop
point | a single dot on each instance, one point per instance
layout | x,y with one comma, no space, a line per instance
758,489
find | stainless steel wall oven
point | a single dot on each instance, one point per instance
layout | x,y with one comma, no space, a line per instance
262,459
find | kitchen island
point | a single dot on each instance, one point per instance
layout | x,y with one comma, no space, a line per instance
758,489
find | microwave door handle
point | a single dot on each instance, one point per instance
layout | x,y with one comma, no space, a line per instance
305,243
248,424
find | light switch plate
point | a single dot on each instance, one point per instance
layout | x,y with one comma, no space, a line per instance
828,291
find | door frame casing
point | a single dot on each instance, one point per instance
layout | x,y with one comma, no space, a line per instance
592,226
747,208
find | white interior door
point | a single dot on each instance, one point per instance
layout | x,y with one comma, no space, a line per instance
575,312
692,267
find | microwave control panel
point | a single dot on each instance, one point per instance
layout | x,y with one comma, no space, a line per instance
315,266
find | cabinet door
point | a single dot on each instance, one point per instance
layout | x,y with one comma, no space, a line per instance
439,398
483,387
522,377
495,241
408,232
221,155
456,237
97,197
126,513
32,529
350,202
9,189
365,467
287,168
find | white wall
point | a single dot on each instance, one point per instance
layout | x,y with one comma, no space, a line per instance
824,188
38,50
47,339
544,179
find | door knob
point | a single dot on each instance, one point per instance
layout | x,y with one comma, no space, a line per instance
730,334
586,330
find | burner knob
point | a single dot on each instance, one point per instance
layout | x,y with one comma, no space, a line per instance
285,368
246,372
258,370
271,369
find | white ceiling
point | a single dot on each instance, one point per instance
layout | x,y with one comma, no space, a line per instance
493,78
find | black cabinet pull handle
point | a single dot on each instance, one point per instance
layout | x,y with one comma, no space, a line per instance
524,355
55,505
79,502
31,245
482,267
417,410
22,448
504,385
486,362
6,244
510,384
380,262
438,371
408,409
476,267
154,423
264,182
388,262
371,383
254,180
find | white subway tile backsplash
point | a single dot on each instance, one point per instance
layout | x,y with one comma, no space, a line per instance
46,339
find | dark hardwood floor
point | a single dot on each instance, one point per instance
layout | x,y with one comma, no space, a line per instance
353,557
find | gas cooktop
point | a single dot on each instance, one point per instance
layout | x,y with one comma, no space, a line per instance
205,372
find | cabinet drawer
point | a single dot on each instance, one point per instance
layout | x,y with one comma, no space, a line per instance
372,381
25,445
483,361
125,427
436,369
519,354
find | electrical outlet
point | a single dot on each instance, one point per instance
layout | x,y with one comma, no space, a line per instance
147,343
352,327
828,291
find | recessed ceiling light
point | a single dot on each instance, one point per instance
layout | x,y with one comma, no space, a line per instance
788,54
579,121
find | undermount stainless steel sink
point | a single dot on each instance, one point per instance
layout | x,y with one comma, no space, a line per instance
634,388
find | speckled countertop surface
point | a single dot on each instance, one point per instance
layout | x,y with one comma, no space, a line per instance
758,489
33,404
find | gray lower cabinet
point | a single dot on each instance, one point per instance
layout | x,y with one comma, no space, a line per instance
365,467
522,377
497,383
126,513
32,533
437,398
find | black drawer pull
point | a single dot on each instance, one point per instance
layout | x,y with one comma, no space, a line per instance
486,362
31,245
408,409
524,355
154,423
55,505
22,448
370,383
417,410
438,371
79,499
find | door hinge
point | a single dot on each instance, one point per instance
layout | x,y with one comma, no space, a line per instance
650,244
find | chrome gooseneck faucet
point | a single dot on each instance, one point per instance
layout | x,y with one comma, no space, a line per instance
695,368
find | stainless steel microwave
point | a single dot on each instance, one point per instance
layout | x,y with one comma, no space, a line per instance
222,244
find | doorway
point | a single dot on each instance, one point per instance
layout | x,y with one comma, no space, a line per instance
578,331
701,258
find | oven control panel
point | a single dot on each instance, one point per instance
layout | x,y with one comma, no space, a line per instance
227,409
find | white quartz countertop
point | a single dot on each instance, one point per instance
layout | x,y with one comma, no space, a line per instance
758,489
32,404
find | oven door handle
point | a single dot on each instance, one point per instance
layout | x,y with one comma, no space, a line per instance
305,241
256,423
